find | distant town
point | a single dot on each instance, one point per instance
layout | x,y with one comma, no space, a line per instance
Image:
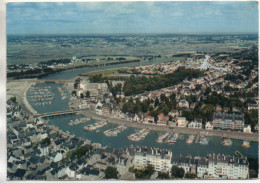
203,95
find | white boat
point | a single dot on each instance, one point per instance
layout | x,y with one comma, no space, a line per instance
227,142
245,144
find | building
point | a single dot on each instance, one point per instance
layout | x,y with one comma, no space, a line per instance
209,126
214,166
163,121
159,158
183,104
182,122
174,113
228,167
252,106
149,119
247,129
195,124
228,121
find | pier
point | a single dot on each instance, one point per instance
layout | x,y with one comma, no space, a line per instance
169,136
197,138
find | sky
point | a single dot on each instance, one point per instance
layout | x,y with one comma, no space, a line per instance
132,17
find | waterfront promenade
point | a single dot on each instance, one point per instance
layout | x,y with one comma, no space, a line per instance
154,127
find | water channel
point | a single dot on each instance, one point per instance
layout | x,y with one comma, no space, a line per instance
51,93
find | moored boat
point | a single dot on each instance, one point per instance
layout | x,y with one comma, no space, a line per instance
245,145
203,140
227,142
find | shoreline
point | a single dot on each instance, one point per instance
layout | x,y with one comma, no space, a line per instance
214,133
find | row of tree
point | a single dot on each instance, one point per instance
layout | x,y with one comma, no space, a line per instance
175,173
79,152
136,85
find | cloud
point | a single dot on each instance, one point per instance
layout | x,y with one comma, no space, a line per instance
140,16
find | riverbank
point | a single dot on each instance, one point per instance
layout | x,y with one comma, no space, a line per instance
153,127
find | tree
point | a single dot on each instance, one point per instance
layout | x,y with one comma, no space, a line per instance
177,172
111,173
76,85
207,91
190,176
149,170
46,141
81,95
156,102
88,94
163,175
13,99
80,151
74,93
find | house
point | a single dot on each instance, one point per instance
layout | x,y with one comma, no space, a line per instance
71,170
58,156
182,122
195,124
44,150
172,124
123,165
98,108
236,109
106,109
130,116
252,106
163,121
137,117
247,129
218,108
88,173
184,104
173,113
149,119
256,128
209,126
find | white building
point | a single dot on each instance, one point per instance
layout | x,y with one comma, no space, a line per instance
228,167
183,104
174,113
247,129
228,121
182,122
209,126
195,124
160,159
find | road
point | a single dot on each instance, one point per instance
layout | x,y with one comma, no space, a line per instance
154,127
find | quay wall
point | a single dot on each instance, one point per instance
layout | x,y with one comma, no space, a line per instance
153,127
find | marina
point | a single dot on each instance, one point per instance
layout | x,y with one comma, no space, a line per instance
203,140
120,140
115,131
41,95
139,135
78,121
95,126
173,139
162,137
190,139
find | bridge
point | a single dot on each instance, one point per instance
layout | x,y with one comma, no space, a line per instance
57,113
